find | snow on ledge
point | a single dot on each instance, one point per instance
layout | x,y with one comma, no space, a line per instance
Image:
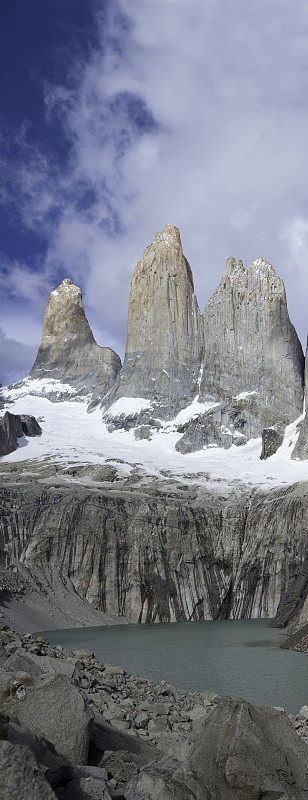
37,386
193,410
128,406
244,395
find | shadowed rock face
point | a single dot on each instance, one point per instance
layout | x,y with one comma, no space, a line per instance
12,427
250,344
68,351
158,552
301,448
164,329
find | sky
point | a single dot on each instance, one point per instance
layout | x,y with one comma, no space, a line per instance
118,116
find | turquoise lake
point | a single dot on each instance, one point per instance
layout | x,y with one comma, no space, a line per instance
232,657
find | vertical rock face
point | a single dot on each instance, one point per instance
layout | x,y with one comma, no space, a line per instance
164,329
250,344
68,351
301,449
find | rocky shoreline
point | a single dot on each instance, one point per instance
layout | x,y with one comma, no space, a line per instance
74,728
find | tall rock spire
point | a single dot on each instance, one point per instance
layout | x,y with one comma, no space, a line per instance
164,328
68,351
250,344
253,362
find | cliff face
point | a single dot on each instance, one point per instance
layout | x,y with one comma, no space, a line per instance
164,328
159,551
253,362
301,448
250,344
68,352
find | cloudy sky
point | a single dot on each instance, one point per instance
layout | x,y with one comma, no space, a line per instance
117,116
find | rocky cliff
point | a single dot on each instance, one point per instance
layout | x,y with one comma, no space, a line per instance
68,352
253,362
153,550
301,447
164,328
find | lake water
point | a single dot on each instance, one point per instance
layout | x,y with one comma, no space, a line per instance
232,657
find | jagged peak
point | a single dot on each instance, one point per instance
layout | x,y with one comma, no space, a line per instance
170,234
67,287
233,266
167,246
262,265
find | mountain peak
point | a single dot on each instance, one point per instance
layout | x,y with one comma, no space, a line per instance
68,351
164,329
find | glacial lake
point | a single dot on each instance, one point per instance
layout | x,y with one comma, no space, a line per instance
232,657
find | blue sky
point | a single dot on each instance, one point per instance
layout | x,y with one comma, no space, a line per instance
117,117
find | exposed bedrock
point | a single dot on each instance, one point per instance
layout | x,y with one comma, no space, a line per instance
250,343
301,448
68,351
160,553
253,362
13,427
164,328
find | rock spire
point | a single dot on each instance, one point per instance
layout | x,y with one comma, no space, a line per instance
68,351
250,344
164,329
253,362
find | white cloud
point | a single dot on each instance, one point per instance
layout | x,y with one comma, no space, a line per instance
193,113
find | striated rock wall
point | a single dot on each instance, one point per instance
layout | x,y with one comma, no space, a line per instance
164,328
68,351
301,448
250,344
160,553
253,362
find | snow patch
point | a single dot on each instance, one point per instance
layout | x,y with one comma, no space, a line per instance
244,395
193,410
37,386
128,406
71,435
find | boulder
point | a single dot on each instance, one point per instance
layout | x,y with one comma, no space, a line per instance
30,425
272,438
12,427
242,752
54,767
21,776
88,783
27,699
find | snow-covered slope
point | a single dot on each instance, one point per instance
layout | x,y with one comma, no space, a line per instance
70,434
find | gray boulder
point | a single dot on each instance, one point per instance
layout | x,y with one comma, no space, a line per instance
88,783
27,699
242,753
54,767
21,776
30,425
12,427
272,439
